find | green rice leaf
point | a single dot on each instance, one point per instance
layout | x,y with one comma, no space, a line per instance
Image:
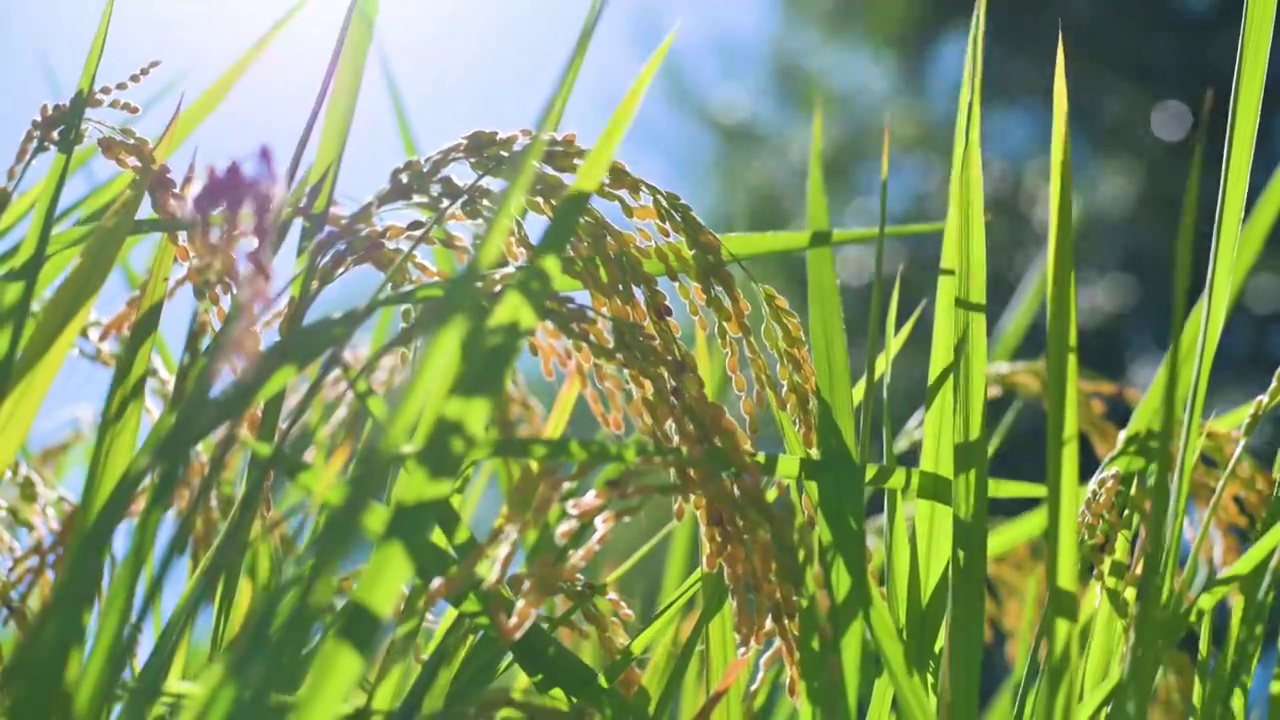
954,443
970,495
1063,422
341,105
408,144
885,359
933,549
840,484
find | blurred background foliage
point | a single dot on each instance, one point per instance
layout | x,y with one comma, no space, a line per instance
1137,72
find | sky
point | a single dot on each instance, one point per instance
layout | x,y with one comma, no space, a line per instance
460,65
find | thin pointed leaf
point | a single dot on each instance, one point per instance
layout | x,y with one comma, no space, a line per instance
954,436
408,144
1063,425
840,483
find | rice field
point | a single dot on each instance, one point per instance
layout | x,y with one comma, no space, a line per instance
531,474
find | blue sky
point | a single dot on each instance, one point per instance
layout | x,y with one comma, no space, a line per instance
461,65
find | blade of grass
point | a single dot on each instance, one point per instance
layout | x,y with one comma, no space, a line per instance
1245,425
408,144
782,466
1099,696
122,413
897,340
678,568
1063,422
1249,562
137,283
736,246
117,635
872,370
721,644
750,245
448,651
714,596
897,538
840,483
666,620
64,249
1000,432
933,549
970,495
341,105
352,53
1017,531
25,202
897,545
732,677
117,441
1229,420
891,318
1020,314
895,524
719,654
1001,705
1184,249
1237,660
962,327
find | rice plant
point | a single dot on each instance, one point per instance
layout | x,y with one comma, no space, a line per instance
571,459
